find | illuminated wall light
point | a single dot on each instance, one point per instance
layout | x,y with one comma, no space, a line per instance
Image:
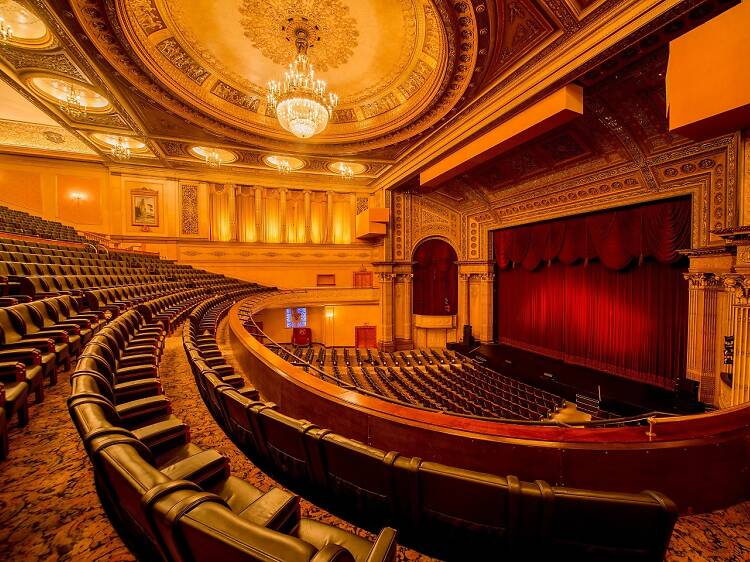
329,313
77,196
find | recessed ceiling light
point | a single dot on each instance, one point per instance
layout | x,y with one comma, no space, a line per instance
212,156
284,164
347,170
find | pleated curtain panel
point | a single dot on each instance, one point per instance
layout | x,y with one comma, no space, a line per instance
604,290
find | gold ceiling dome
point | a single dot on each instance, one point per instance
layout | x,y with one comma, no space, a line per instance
390,62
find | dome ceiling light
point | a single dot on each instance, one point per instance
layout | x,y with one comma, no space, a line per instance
6,31
21,28
120,147
213,157
347,170
302,105
72,104
283,164
72,98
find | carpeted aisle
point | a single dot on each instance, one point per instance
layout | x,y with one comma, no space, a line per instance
49,509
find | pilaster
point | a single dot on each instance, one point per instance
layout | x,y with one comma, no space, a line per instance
403,321
703,336
476,289
387,277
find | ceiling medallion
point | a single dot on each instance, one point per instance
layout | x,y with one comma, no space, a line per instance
302,106
327,19
6,32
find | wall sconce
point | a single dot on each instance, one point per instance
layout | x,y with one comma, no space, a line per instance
329,313
77,196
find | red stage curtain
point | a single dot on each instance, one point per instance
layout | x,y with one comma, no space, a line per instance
605,290
435,278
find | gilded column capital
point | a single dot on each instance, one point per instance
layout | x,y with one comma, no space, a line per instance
704,280
386,277
739,285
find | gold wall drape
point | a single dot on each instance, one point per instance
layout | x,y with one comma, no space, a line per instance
256,214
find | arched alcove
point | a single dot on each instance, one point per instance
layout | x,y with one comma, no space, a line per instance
435,278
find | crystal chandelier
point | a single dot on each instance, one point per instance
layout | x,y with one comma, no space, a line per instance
302,105
213,159
73,105
346,171
120,150
283,166
6,32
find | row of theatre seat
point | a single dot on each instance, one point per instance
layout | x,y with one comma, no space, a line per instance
44,327
435,379
171,499
454,513
21,222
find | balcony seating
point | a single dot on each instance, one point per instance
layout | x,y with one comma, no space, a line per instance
453,513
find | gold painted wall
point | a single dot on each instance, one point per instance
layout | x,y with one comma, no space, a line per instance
247,221
331,325
57,190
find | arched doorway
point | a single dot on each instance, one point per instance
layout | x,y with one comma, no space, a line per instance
435,279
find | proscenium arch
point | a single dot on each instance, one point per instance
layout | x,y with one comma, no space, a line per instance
435,284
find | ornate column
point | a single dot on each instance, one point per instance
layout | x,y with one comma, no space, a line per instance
476,288
387,278
703,305
259,232
740,286
308,216
282,215
402,294
486,282
329,217
463,314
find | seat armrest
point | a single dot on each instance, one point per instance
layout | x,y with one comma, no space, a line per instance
133,390
384,548
277,509
29,356
164,434
201,468
151,406
42,344
70,327
82,323
58,336
11,371
139,360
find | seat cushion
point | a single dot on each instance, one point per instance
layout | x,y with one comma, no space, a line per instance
319,535
238,493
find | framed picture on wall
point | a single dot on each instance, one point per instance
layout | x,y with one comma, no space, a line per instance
145,207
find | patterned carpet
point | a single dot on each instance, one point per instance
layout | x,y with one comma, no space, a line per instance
49,509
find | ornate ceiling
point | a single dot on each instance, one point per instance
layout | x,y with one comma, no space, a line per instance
183,76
